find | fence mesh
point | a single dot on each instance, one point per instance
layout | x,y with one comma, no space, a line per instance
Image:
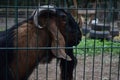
98,53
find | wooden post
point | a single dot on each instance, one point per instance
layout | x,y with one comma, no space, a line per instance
75,3
76,12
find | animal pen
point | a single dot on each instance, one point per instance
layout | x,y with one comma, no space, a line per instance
60,40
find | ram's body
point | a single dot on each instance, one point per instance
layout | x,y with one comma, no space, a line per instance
22,46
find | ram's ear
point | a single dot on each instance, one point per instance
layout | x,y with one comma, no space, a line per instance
58,41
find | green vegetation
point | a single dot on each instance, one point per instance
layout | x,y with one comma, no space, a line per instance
91,46
2,28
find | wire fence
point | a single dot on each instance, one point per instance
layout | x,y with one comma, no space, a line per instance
97,54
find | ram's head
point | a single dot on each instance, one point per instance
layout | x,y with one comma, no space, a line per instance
63,28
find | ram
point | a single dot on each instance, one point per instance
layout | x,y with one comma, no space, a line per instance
39,39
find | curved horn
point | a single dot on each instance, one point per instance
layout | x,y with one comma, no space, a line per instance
36,20
38,11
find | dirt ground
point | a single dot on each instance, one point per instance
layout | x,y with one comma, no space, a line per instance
90,71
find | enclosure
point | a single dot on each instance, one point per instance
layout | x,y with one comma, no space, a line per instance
98,53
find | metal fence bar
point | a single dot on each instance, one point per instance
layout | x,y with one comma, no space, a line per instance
107,12
118,67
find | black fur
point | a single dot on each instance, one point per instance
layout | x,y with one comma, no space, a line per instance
72,27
